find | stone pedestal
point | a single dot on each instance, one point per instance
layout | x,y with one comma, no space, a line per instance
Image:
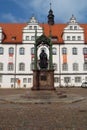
43,80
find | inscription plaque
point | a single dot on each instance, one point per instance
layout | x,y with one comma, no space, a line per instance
43,77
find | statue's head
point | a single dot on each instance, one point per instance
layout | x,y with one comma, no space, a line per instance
43,50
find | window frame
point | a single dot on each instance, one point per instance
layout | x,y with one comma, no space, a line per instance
1,50
21,66
10,66
74,51
64,50
22,51
65,67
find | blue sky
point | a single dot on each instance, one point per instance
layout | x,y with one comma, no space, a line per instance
20,11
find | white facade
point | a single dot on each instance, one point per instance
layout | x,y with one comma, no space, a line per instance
69,58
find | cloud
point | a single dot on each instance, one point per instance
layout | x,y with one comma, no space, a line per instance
8,17
63,9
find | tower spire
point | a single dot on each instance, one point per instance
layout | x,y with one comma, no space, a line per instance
50,16
50,6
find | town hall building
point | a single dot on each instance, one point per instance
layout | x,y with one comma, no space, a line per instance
17,53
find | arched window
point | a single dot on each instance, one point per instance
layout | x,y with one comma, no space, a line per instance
32,50
1,66
85,50
64,50
75,67
10,67
55,66
65,67
21,67
54,51
1,50
74,51
85,66
11,50
32,66
22,51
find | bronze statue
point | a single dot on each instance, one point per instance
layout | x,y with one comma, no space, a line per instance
43,60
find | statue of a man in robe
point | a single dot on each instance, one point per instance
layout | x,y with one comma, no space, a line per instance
43,60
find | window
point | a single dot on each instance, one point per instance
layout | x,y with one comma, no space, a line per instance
13,38
56,79
29,80
73,38
30,27
64,50
22,51
35,27
68,38
12,80
21,67
85,78
65,67
24,80
85,66
32,38
1,66
0,78
75,27
32,65
10,67
32,50
55,66
75,66
67,79
71,27
79,38
54,51
84,50
11,50
74,51
27,38
77,79
1,50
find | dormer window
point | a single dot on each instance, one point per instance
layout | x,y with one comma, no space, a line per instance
30,27
79,37
68,38
35,27
71,27
32,38
27,38
13,38
75,27
73,38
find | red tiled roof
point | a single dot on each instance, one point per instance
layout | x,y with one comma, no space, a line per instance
56,30
15,31
12,31
84,26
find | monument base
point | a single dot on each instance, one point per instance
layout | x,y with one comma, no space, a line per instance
43,80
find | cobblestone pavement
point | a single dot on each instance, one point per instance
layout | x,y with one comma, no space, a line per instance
45,116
